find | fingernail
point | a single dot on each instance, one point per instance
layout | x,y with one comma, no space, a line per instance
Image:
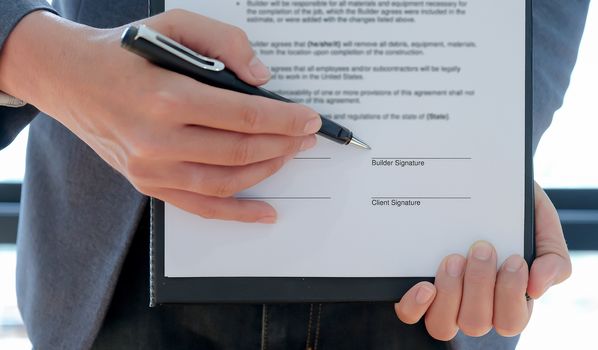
513,264
267,220
481,251
313,126
308,143
454,266
259,70
424,294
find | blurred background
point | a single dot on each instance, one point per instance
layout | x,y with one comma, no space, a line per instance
566,164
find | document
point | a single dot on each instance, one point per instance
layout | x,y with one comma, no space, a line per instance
436,88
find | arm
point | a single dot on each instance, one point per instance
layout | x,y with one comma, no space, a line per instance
172,137
13,120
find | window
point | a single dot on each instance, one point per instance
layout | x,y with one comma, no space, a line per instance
12,159
12,332
566,156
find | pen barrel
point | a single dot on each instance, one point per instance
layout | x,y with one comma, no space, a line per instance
335,132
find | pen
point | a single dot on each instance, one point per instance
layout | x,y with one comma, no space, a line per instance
171,55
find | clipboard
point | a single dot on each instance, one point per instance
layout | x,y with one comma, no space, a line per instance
187,290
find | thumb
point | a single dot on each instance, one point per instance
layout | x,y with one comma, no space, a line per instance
547,271
214,39
552,264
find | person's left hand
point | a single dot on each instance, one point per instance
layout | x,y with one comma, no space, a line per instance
471,295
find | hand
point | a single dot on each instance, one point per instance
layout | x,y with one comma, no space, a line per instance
469,294
172,137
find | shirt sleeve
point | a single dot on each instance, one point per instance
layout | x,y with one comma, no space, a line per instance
13,120
10,101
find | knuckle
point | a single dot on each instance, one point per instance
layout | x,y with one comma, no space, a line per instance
443,335
141,179
508,330
164,102
136,169
142,149
142,183
480,277
474,329
408,319
274,167
146,190
292,145
405,316
236,40
511,285
208,212
440,333
298,120
251,117
194,181
512,288
244,213
446,289
177,12
237,37
296,144
227,187
242,152
294,125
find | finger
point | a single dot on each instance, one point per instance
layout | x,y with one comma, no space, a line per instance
214,39
441,318
215,181
475,314
219,208
552,264
217,147
511,308
194,103
415,302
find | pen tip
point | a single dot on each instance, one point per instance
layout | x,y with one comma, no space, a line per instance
357,142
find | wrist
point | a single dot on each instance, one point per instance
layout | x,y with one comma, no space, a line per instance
33,56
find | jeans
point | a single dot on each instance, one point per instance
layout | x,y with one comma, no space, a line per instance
131,324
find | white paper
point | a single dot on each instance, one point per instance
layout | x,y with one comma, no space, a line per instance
471,184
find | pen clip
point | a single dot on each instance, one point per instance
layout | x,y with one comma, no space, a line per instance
182,52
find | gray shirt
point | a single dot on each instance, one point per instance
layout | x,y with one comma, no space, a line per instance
79,215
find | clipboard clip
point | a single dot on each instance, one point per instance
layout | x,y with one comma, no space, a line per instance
165,43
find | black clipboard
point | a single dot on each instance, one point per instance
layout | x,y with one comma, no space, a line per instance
165,290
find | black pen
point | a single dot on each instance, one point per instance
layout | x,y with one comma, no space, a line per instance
171,55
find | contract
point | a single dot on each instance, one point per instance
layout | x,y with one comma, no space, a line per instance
436,88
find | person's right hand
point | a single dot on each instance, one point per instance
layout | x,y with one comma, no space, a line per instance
173,138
